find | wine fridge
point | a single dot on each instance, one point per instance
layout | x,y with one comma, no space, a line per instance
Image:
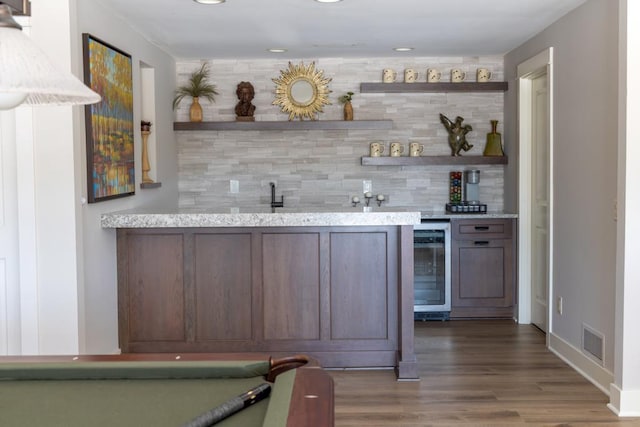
432,270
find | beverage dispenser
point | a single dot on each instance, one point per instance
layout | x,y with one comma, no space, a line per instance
471,187
464,192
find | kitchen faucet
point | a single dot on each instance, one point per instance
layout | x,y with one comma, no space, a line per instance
275,204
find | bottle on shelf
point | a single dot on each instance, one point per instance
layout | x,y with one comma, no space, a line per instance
494,141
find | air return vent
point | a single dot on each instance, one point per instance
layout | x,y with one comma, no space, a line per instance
593,343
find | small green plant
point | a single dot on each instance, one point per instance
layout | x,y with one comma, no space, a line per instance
346,98
197,87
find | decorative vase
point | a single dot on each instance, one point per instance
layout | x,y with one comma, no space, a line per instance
348,111
195,111
494,141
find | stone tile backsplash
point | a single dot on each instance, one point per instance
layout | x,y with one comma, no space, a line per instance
321,169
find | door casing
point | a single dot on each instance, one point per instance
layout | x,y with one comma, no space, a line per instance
539,64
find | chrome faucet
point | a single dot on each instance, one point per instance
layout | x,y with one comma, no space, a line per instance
275,204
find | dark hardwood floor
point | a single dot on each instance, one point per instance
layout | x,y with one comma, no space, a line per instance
475,373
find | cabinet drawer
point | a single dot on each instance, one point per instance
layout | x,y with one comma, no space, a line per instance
468,229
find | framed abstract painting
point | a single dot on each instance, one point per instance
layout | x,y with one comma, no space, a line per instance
109,123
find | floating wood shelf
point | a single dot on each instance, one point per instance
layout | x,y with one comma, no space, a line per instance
286,125
433,87
148,185
434,160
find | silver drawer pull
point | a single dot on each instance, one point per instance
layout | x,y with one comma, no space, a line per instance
481,227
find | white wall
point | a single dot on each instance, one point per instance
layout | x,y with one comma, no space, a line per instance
625,391
585,154
54,310
68,287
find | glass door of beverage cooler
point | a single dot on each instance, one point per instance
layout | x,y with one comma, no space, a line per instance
432,270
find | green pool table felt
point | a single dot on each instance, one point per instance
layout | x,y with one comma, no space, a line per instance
136,393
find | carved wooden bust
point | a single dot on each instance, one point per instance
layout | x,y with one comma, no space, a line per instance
244,107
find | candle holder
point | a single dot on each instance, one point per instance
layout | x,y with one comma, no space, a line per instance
146,131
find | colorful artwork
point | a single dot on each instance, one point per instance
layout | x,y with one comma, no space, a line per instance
109,123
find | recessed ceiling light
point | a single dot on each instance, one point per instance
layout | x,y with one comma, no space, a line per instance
277,50
209,1
328,1
402,49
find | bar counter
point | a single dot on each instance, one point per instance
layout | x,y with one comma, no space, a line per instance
337,285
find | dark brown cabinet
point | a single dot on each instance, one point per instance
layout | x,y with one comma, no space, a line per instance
336,293
483,268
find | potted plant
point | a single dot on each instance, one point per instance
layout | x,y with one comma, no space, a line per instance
348,108
197,87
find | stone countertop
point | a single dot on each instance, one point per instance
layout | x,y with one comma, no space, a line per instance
159,218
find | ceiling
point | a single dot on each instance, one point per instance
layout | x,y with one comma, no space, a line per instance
351,28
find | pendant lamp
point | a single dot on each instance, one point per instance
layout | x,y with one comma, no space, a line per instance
28,76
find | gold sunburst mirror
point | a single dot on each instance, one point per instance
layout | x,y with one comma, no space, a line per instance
302,91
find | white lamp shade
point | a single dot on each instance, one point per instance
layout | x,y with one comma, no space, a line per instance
10,100
26,71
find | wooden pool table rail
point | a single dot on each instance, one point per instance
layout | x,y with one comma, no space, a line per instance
312,399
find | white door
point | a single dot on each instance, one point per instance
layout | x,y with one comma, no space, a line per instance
540,202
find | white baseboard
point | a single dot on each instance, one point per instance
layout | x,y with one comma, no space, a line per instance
596,374
624,403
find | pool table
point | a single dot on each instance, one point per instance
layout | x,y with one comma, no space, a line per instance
161,390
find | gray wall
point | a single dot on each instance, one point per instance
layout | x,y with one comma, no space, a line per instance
585,164
322,168
99,298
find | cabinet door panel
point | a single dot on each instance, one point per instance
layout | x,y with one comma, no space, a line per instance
291,286
359,287
482,267
482,274
222,274
155,278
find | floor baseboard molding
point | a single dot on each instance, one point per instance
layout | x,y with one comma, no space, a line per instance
596,374
624,403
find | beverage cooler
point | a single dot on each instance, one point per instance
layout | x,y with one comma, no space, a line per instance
432,270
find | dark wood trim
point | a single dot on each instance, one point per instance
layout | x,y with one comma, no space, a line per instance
482,312
433,87
407,362
285,125
148,185
141,357
312,399
434,160
19,7
123,290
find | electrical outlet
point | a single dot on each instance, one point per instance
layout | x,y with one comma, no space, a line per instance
367,187
559,305
234,186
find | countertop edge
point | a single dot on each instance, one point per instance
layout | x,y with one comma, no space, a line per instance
188,220
446,216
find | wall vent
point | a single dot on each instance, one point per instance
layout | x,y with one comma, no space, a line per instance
593,343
